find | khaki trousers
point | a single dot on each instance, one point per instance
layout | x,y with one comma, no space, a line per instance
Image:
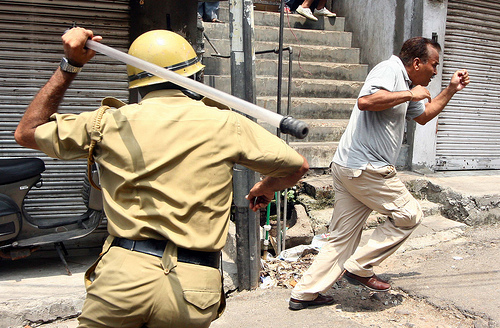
132,289
357,193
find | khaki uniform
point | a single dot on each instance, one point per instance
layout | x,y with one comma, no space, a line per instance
166,173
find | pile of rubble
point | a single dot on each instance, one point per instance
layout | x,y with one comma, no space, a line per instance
284,272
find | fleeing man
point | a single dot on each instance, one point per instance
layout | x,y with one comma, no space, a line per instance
364,175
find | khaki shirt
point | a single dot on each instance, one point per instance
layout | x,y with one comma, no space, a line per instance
166,164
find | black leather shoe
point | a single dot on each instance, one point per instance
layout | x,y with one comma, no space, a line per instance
294,304
373,283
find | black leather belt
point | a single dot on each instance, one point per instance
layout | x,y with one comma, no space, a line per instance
156,247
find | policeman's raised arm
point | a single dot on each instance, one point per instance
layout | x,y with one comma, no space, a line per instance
47,100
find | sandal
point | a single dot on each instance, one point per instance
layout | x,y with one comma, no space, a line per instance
215,20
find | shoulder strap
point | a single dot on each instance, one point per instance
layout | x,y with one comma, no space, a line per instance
96,135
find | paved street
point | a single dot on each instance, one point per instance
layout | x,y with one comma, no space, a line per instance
446,275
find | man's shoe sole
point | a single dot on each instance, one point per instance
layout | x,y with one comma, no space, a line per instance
356,282
294,306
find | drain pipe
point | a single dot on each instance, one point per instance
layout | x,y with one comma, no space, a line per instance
289,99
267,229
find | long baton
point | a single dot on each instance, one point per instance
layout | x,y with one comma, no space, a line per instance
286,124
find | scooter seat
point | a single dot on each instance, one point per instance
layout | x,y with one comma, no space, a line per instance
17,169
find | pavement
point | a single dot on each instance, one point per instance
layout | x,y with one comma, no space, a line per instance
446,275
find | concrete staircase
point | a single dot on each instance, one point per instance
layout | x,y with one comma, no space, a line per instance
326,77
317,197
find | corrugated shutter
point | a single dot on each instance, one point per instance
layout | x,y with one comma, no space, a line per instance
30,51
469,128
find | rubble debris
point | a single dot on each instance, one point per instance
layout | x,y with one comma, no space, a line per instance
278,272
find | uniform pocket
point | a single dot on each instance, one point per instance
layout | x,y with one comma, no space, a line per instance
201,285
398,203
90,273
405,211
202,299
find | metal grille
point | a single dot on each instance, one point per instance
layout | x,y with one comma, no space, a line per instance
30,51
468,135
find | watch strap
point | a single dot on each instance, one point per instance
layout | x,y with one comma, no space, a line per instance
67,67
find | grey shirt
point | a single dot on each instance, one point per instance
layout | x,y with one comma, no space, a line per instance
375,137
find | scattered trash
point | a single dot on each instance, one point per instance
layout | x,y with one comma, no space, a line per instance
458,258
288,267
278,272
294,253
267,282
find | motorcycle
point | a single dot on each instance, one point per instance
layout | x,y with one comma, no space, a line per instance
22,233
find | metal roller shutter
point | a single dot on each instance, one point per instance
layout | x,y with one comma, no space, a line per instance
30,51
468,136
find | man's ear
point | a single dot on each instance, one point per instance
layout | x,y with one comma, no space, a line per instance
416,63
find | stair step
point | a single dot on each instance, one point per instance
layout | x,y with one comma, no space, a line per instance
265,18
269,67
326,79
312,108
267,86
319,130
318,154
216,31
324,130
301,52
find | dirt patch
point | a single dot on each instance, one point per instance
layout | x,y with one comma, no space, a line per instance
393,309
367,308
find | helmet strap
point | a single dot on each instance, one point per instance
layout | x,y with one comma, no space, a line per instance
143,91
192,94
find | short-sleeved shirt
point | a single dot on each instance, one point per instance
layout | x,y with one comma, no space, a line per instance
166,164
376,137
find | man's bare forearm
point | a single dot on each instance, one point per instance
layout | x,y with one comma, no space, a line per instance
382,100
276,184
458,82
263,191
45,103
48,99
436,106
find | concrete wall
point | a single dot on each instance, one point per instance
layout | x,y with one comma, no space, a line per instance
379,26
177,16
424,142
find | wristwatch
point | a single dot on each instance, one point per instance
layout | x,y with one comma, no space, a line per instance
67,67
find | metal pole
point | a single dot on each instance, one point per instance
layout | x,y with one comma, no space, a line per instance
289,99
243,86
279,236
279,227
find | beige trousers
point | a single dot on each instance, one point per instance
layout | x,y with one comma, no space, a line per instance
357,193
132,289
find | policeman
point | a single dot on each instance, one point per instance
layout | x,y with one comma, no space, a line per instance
166,168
